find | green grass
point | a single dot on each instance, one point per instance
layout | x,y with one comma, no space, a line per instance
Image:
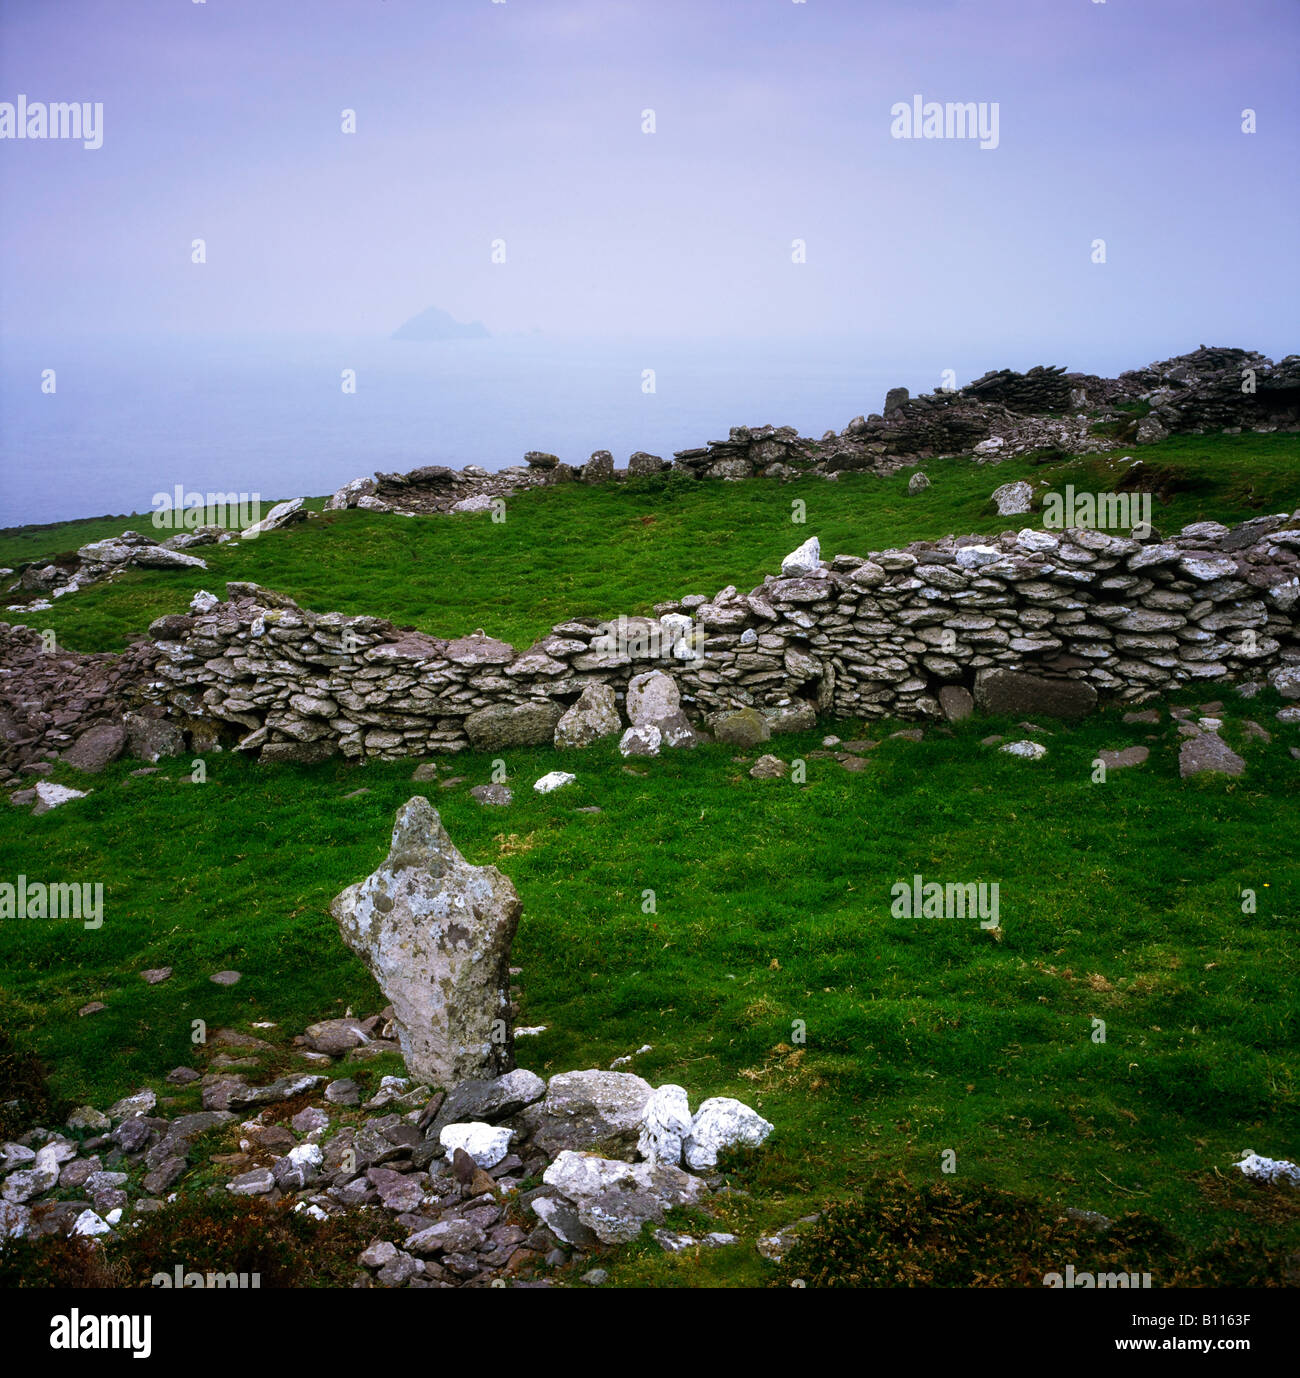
772,905
771,918
575,550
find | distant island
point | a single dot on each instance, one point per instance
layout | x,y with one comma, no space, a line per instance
436,324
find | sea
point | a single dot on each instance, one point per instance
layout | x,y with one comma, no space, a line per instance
96,426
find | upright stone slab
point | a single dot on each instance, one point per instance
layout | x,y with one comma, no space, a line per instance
436,933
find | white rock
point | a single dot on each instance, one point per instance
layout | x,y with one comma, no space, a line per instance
51,795
555,779
805,560
276,517
1260,1169
203,601
480,502
1031,751
665,1123
614,1199
487,1144
973,556
114,1217
88,1223
1014,498
640,741
130,1107
990,446
719,1123
676,625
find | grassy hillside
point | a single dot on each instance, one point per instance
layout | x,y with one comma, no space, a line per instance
771,900
575,550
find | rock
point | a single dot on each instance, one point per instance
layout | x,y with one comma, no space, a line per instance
1015,692
641,464
769,768
1030,751
51,796
493,796
487,1144
43,1175
1288,715
553,780
1285,679
436,933
595,715
1207,753
539,459
280,515
96,748
225,978
665,1123
1014,498
615,1199
505,725
150,739
447,1236
490,1100
154,976
94,1007
589,1110
377,1254
478,502
1149,715
1129,756
743,727
599,468
131,1107
344,1091
88,1224
283,1088
804,560
335,1036
87,1117
595,1277
721,1122
425,773
1270,1170
255,1183
956,702
918,483
640,741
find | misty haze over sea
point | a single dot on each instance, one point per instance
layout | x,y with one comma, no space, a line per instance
134,417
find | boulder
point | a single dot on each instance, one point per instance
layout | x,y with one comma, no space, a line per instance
596,1110
956,702
722,1122
1014,498
918,483
150,739
805,560
1016,692
665,1123
282,514
599,468
489,1100
640,741
97,747
487,1144
502,725
539,459
743,727
436,933
553,780
640,464
495,796
615,1199
595,715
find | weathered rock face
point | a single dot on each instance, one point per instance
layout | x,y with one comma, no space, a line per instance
436,933
615,1199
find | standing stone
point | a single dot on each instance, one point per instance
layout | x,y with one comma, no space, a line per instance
918,483
640,464
655,702
599,468
956,702
803,560
436,933
595,715
894,399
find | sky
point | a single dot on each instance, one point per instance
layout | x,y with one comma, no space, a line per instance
523,122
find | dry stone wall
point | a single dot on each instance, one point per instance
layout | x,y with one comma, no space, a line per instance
904,633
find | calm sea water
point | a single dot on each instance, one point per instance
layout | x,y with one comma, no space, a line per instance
130,418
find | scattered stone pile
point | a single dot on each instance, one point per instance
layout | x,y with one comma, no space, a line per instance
105,560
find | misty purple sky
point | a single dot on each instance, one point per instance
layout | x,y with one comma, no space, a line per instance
522,121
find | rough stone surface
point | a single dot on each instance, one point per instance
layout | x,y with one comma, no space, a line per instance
436,933
722,1122
615,1199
